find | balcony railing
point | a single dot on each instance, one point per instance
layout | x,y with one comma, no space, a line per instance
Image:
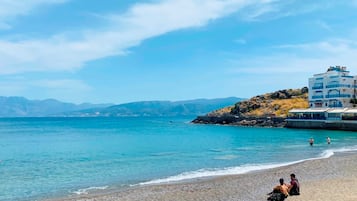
317,87
338,85
335,105
347,76
318,97
338,96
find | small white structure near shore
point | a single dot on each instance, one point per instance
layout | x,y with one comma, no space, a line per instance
332,102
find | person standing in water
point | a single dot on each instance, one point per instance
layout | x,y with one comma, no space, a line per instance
328,140
311,141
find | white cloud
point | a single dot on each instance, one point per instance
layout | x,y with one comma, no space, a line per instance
8,88
354,2
306,59
12,8
292,66
61,89
275,9
63,84
240,41
336,47
323,25
140,22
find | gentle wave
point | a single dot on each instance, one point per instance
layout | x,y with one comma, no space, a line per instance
87,190
330,152
163,154
226,157
201,173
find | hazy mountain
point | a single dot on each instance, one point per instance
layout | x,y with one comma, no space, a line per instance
22,107
159,108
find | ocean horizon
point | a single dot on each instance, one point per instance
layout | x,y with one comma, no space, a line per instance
44,158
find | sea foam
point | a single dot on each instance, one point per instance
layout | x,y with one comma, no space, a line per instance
87,190
202,173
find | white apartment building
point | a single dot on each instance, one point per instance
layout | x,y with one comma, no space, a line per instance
332,102
332,89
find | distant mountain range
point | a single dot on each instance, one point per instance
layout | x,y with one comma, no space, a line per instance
22,107
159,108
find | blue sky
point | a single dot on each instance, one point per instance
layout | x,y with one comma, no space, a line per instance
118,51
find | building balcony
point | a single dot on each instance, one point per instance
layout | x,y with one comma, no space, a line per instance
338,96
347,76
317,97
335,105
338,85
317,87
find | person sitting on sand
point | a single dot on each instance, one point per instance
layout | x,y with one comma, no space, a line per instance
294,187
283,188
280,192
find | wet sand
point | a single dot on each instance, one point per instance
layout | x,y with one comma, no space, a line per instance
332,179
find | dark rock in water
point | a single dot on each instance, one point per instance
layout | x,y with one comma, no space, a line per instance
241,121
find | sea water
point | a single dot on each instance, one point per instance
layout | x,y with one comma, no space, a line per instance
57,157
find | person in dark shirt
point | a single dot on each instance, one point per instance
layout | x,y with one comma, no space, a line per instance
294,187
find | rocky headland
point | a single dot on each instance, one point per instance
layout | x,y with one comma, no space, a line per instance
267,110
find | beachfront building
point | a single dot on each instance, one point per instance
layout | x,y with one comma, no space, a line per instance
332,102
332,89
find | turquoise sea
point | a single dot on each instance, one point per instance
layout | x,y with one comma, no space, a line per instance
56,157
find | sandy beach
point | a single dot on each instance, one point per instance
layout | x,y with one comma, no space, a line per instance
331,179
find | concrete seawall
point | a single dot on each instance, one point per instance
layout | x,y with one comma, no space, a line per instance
347,125
322,124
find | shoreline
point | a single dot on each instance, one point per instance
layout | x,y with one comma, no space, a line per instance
321,179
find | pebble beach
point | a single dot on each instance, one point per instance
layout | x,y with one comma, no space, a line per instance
327,179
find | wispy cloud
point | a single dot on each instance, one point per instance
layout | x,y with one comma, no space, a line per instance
292,65
10,9
55,88
64,84
336,47
305,59
323,25
275,9
240,41
140,22
354,2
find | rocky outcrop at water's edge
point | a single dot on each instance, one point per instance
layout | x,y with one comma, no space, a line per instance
241,121
267,110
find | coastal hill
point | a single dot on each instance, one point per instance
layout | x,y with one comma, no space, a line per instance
269,109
